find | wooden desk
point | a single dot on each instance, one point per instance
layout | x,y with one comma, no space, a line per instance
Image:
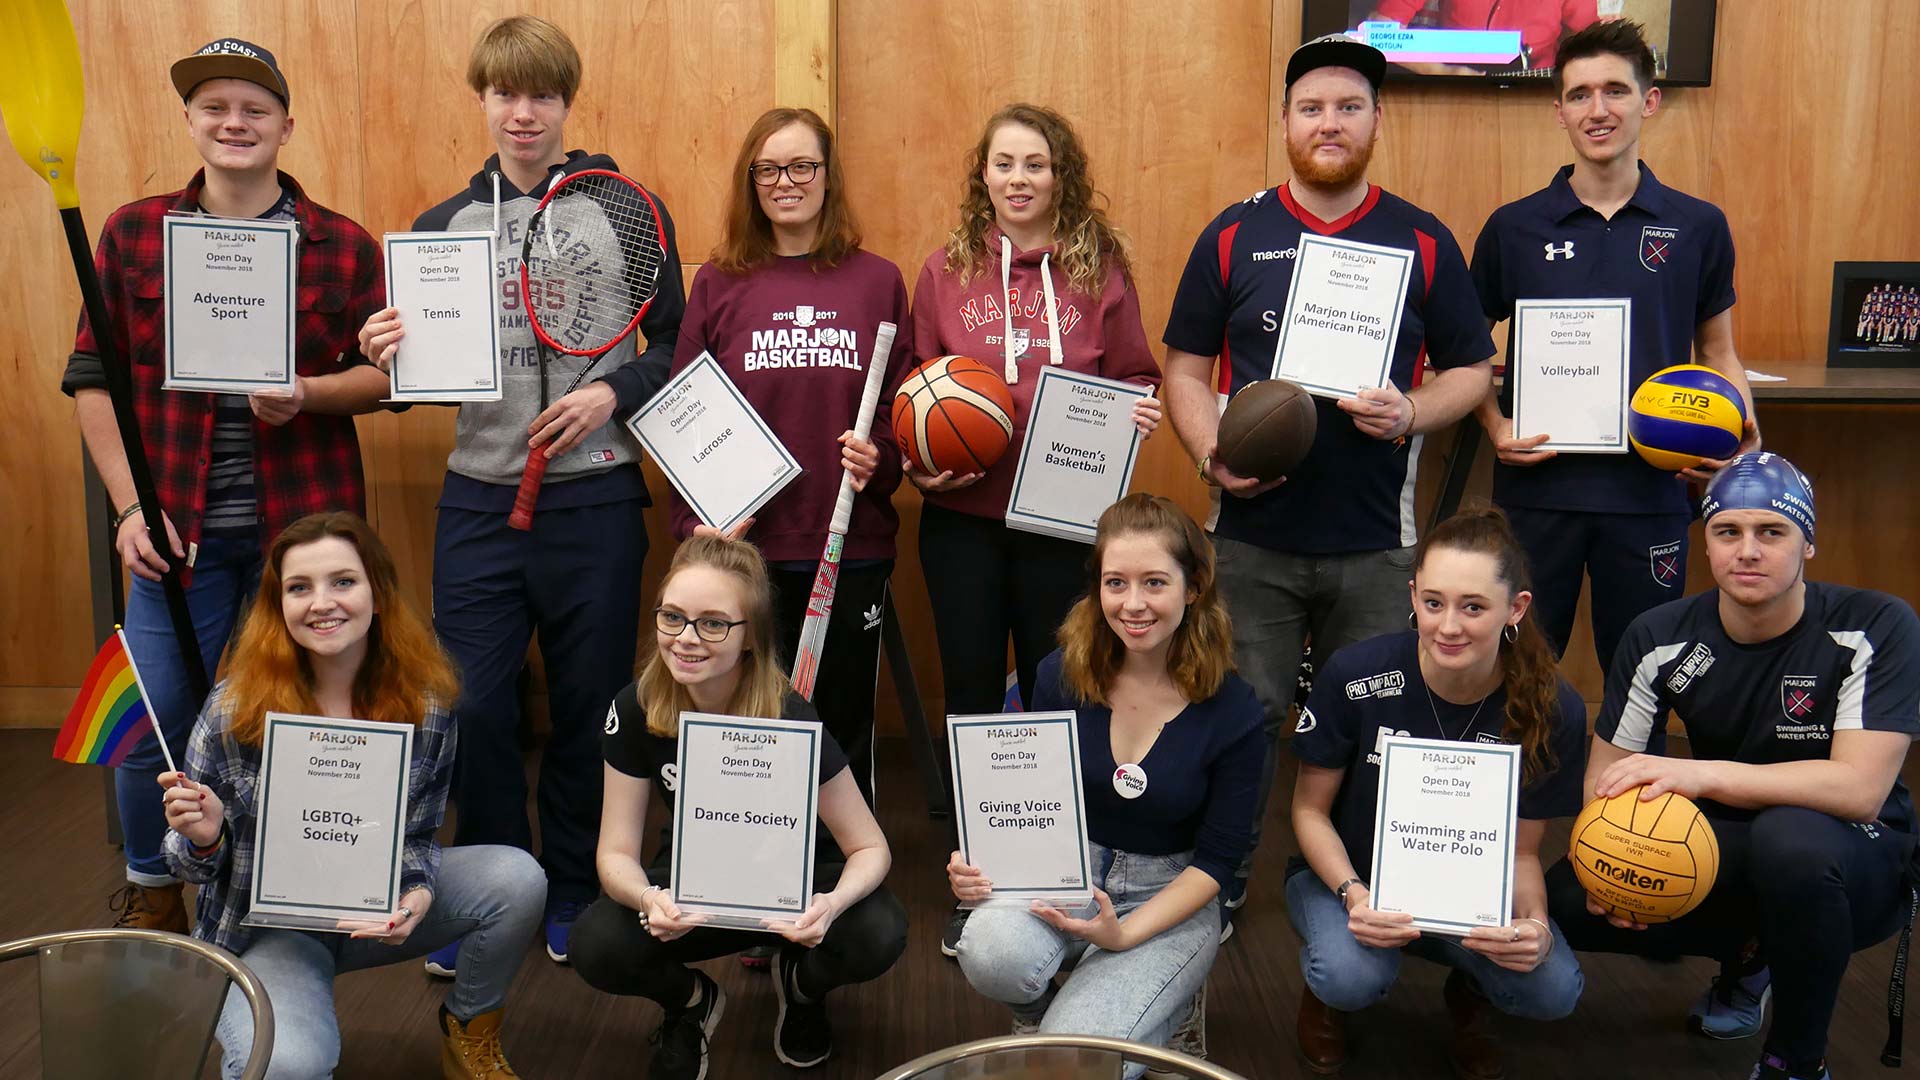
1817,384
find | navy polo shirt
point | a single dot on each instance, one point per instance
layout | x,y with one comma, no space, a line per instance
1852,663
1670,253
1353,492
1372,689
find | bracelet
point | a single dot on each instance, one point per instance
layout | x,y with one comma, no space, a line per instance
1413,415
1545,930
121,518
203,852
1340,893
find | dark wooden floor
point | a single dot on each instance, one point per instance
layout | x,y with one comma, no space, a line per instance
1629,1023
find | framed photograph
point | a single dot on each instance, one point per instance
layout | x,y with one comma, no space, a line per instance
1876,315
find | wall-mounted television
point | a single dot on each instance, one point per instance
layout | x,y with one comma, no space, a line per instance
1509,42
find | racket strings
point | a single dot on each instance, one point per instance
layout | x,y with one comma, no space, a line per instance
601,251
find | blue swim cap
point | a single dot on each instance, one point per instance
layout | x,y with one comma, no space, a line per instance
1761,480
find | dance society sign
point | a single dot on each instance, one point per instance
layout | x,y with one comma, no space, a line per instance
444,287
1079,454
1016,780
716,451
1569,373
332,818
229,304
744,819
1443,832
1343,316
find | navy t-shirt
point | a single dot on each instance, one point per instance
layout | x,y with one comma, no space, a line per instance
1353,492
630,748
1671,254
1372,689
1851,663
1203,775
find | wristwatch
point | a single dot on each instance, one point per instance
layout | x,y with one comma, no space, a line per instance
1341,892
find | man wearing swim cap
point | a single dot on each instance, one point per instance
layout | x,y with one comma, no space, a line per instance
1799,700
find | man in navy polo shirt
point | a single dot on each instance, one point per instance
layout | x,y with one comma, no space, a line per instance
1801,701
1605,227
1327,552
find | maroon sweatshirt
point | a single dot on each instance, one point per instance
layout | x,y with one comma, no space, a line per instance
796,341
1099,335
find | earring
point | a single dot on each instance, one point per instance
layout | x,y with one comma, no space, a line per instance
1412,625
1512,632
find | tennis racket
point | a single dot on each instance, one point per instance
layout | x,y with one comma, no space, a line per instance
589,270
826,579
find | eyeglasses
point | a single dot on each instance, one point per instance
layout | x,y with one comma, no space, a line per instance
671,623
767,174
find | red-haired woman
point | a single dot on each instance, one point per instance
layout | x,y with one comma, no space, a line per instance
1034,275
331,635
1473,667
789,305
1170,753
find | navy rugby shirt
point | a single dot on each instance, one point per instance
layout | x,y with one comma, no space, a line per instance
1851,663
1671,254
1353,492
1372,689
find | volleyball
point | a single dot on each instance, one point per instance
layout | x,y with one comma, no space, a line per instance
1684,414
953,413
1648,862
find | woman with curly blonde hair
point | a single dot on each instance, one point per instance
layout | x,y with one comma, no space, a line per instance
1033,275
1170,752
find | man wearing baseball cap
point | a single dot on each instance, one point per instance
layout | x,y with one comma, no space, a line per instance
232,470
1325,554
1800,700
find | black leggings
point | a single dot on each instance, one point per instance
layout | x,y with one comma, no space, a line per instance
1812,888
985,581
614,953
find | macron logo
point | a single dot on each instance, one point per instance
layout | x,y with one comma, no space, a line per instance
1269,256
1559,251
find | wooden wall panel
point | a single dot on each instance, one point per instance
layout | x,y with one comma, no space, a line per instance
1800,140
1171,103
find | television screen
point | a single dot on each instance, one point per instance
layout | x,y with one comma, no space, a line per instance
1506,41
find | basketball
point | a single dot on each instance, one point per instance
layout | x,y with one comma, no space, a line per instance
1684,414
1648,862
953,412
1267,429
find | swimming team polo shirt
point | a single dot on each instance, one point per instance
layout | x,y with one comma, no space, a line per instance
1372,689
1353,492
1852,663
1671,254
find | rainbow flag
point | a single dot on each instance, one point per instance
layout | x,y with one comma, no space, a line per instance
111,714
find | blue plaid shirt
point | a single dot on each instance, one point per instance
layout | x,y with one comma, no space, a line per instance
232,770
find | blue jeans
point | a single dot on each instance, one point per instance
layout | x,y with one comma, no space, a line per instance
226,573
1349,976
1280,601
489,898
1009,955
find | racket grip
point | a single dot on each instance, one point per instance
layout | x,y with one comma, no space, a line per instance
529,493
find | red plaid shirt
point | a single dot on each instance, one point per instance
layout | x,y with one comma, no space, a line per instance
309,464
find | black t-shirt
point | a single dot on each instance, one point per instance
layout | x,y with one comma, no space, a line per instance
630,748
1372,689
1851,663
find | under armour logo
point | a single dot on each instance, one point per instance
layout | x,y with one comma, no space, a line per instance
1555,251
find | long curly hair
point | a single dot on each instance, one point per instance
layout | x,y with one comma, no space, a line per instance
1201,654
1527,667
1086,243
404,669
